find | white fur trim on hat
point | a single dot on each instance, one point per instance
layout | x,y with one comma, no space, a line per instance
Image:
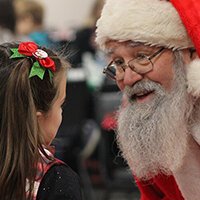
193,78
153,22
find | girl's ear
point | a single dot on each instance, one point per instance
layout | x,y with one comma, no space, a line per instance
40,117
39,114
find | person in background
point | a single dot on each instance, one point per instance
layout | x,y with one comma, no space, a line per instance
30,22
153,49
32,93
86,53
83,80
7,21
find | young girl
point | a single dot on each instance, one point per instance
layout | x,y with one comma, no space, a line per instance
32,92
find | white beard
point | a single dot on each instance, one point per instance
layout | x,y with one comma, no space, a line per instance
153,136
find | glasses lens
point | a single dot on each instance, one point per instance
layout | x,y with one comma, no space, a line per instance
141,66
110,71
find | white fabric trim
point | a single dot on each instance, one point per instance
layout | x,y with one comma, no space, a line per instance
153,22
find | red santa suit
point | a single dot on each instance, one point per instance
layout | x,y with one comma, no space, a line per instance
159,188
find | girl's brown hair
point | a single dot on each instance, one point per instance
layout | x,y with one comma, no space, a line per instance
20,135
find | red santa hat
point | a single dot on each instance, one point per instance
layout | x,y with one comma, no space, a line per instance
173,24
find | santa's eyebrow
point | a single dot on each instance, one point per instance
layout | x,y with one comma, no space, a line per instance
134,44
109,51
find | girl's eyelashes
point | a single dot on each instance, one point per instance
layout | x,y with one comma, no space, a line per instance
63,104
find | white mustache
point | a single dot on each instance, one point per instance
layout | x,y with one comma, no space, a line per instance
143,86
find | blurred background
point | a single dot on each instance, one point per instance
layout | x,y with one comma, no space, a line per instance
86,140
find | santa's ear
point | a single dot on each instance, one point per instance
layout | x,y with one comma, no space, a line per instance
193,77
193,53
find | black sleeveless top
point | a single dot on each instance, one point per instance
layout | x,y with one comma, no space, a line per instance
60,183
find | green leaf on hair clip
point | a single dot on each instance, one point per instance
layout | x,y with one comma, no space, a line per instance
16,54
37,70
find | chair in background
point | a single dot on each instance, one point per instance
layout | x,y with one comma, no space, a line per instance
114,171
90,138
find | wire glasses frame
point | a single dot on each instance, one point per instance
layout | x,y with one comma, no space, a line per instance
140,66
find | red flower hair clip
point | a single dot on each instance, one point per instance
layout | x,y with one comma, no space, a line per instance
42,63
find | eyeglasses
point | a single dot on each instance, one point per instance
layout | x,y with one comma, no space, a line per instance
141,65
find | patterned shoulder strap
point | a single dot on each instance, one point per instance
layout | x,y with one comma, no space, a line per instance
42,168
